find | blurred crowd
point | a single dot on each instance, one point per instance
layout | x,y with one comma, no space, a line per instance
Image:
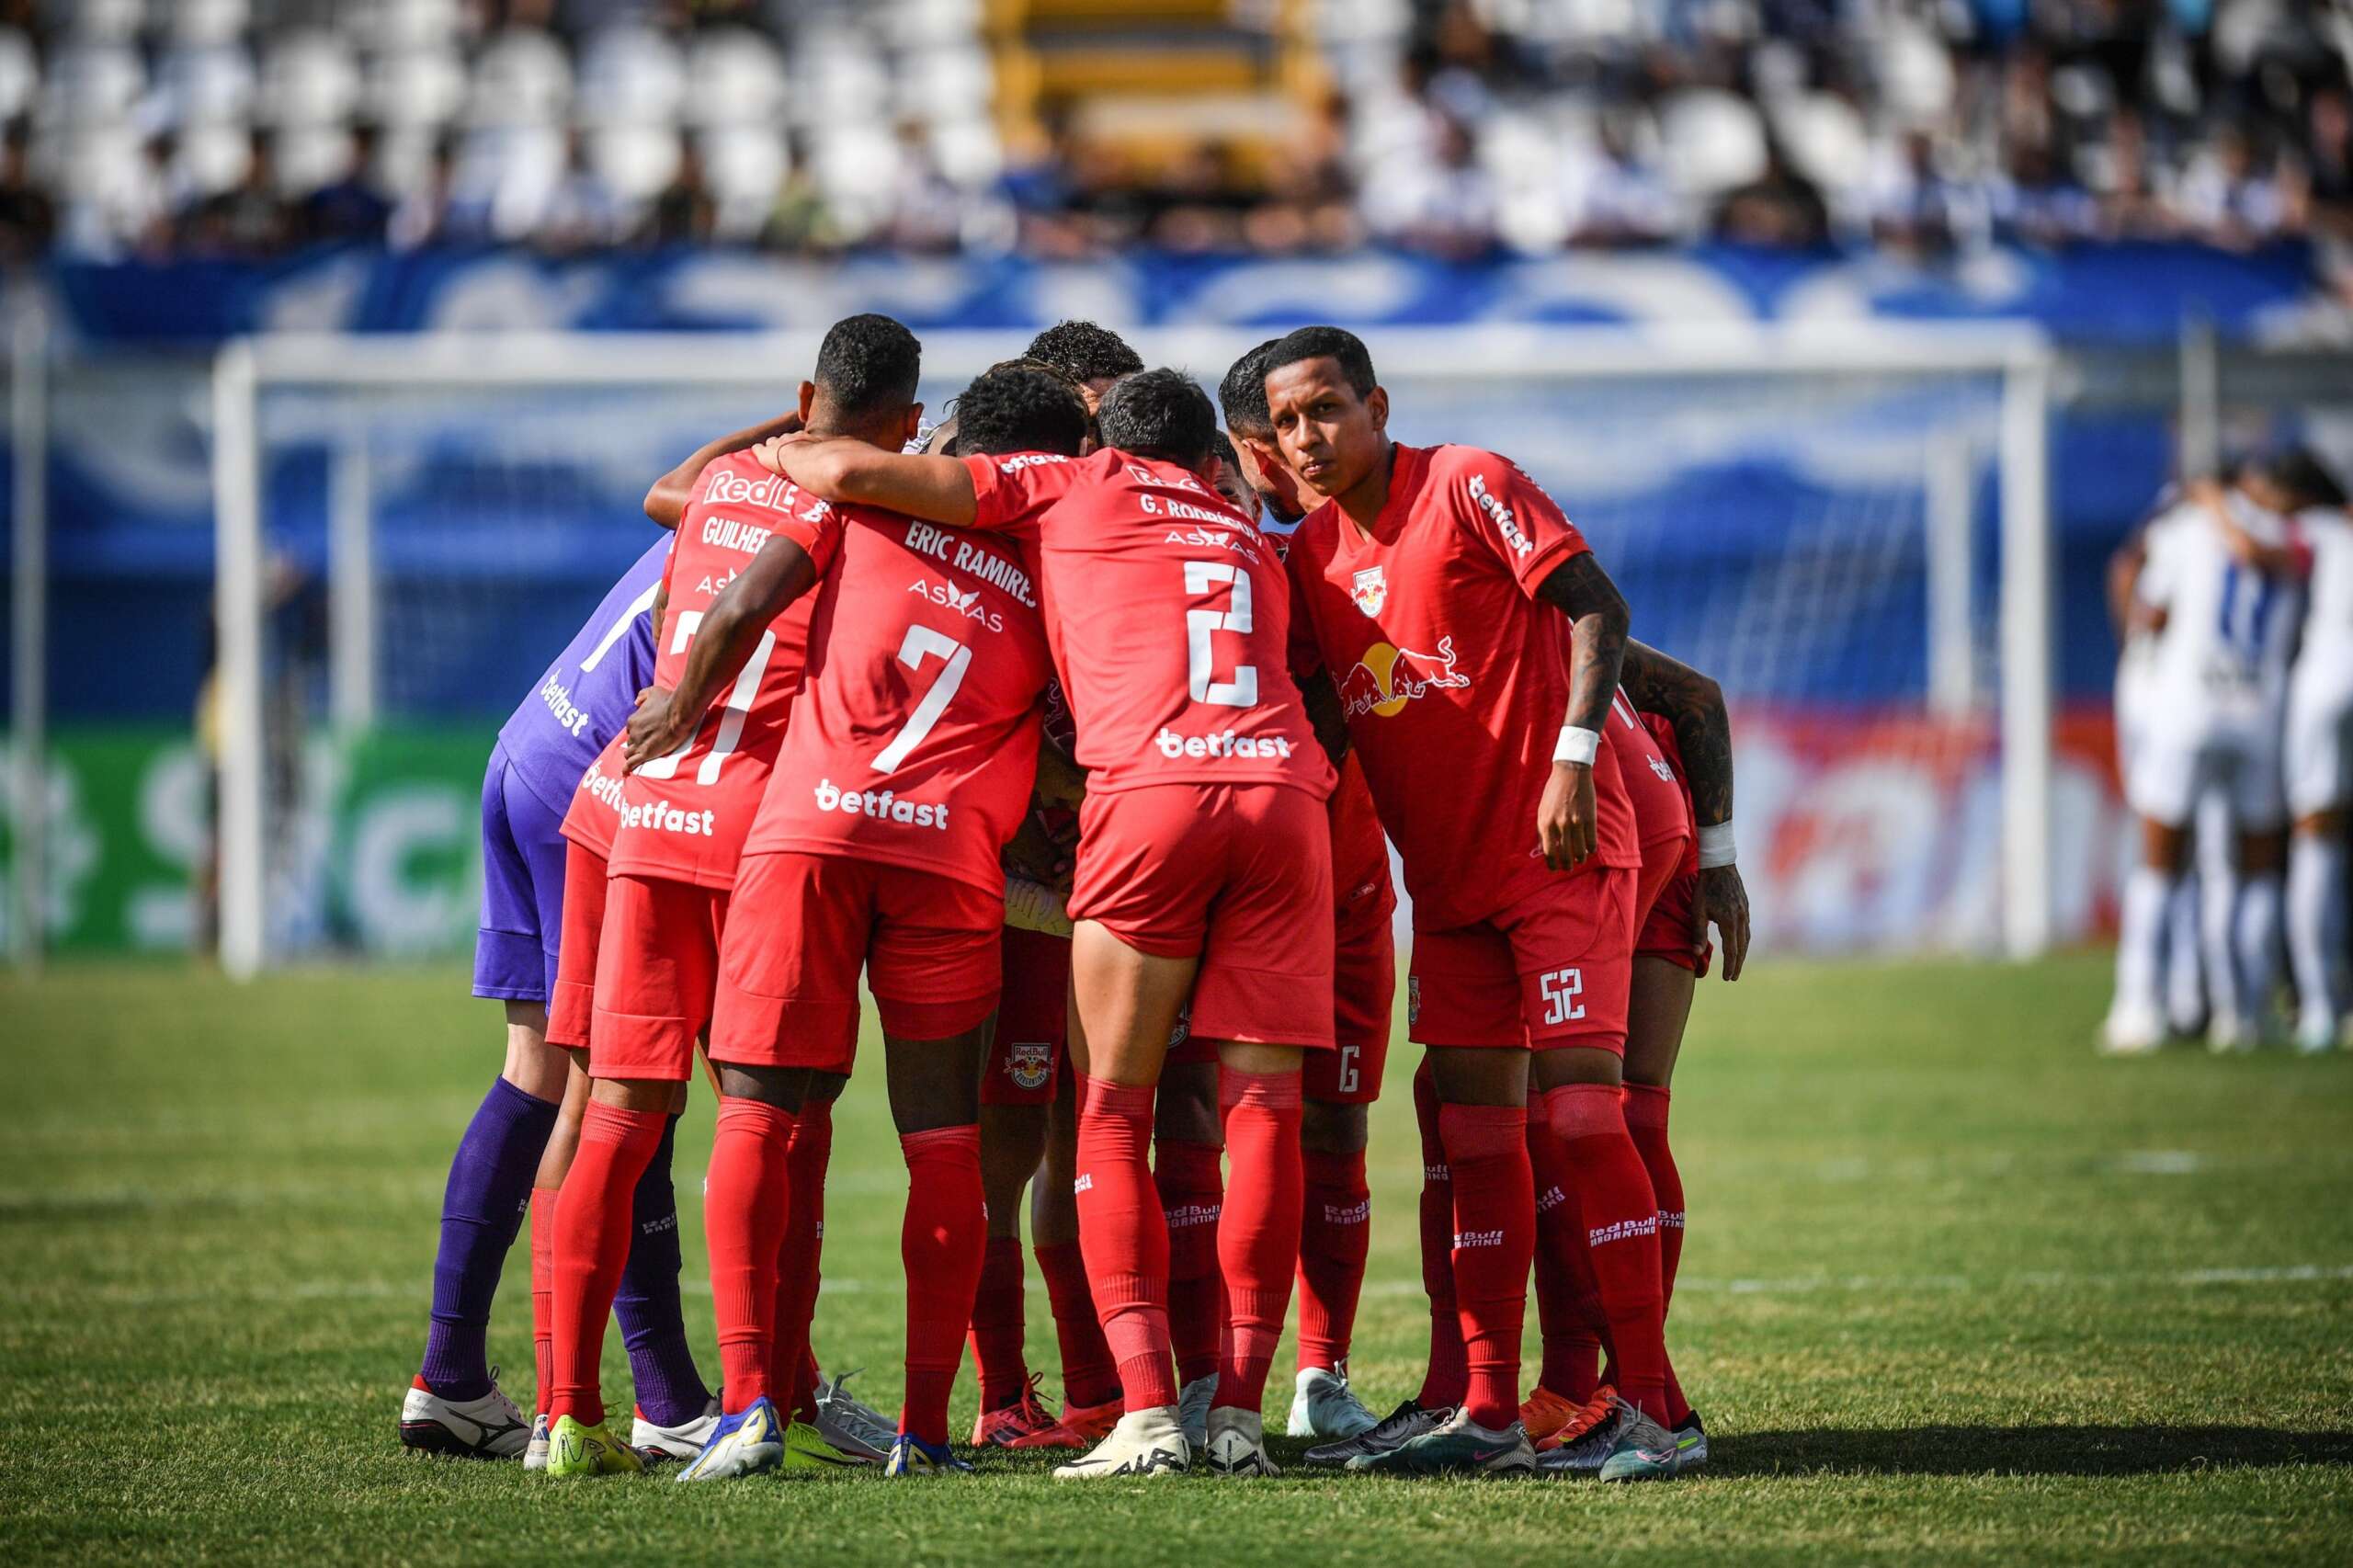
1457,127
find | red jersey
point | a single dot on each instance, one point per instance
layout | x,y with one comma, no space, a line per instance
1453,677
1169,615
682,817
596,803
915,739
1660,809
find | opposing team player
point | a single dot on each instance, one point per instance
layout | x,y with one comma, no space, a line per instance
1461,616
907,767
681,821
2221,590
1335,1228
453,1407
1203,861
2320,755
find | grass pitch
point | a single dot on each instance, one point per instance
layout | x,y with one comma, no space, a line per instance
1952,1287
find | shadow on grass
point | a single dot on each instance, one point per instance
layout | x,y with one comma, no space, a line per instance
2021,1450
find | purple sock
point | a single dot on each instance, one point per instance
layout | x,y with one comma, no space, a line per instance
668,1387
490,1185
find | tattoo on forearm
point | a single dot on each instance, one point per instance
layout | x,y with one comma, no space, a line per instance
1581,590
1695,705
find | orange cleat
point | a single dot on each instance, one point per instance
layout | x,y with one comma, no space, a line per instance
1545,1413
1082,1427
1580,1420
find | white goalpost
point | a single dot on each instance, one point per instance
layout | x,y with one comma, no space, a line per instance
1900,477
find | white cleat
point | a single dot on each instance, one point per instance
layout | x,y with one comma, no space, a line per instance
2131,1031
659,1445
750,1443
851,1425
1145,1442
535,1453
2229,1035
490,1427
1237,1443
1193,1401
1325,1407
2317,1034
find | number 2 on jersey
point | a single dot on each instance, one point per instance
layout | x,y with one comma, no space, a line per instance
922,641
1241,691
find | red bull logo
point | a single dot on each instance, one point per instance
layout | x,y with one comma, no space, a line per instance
1387,677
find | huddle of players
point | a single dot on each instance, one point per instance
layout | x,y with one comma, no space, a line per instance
2235,732
847,739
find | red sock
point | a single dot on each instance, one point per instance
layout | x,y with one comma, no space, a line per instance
543,1200
1088,1377
1494,1240
794,1371
941,1241
594,1221
1646,1123
1566,1304
1124,1239
1258,1241
997,1323
1617,1223
1192,1194
746,1202
1448,1374
1335,1231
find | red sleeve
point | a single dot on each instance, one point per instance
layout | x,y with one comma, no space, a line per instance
1305,653
1010,489
815,526
1511,514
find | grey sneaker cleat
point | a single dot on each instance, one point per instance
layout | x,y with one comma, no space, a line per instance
1648,1452
1408,1421
1460,1447
1193,1409
1324,1406
857,1429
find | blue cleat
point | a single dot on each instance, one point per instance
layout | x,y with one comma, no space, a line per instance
910,1455
750,1442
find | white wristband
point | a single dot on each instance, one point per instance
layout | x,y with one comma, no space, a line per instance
1576,745
1715,846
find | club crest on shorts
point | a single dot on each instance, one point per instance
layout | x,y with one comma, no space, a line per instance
1370,590
1030,1064
1412,1000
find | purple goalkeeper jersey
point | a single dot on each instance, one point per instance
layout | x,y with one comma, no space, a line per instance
588,692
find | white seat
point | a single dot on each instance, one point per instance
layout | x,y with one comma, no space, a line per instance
744,166
19,73
1713,141
637,160
210,159
857,168
522,77
733,77
417,87
207,22
403,25
631,76
309,156
920,24
92,84
968,151
955,83
1826,140
308,78
102,21
842,80
211,84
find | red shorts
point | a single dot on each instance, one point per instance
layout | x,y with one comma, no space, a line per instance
808,924
1240,875
657,967
1364,999
1032,1040
1551,970
572,1002
1666,931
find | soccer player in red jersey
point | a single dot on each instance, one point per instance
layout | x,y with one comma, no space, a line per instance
906,769
682,817
1204,866
1463,617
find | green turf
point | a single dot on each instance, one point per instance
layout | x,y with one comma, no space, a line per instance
1952,1287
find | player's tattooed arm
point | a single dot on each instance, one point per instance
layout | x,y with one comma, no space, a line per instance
1327,715
781,572
667,502
1567,825
938,490
1693,704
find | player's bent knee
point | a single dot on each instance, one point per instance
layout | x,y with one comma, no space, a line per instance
649,1095
1331,1128
780,1087
1579,1064
532,1064
1186,1110
935,1083
1478,1074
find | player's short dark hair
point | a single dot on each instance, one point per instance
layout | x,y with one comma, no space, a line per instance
1242,396
869,365
1014,408
2302,475
1159,413
1083,351
1324,342
1222,445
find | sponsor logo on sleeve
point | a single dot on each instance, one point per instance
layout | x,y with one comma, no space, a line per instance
1500,514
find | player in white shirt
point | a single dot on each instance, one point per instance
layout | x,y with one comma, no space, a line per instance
2320,755
2221,592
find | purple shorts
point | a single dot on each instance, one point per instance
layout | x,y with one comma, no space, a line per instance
522,889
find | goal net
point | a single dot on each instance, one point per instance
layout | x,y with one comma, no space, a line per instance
1848,529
